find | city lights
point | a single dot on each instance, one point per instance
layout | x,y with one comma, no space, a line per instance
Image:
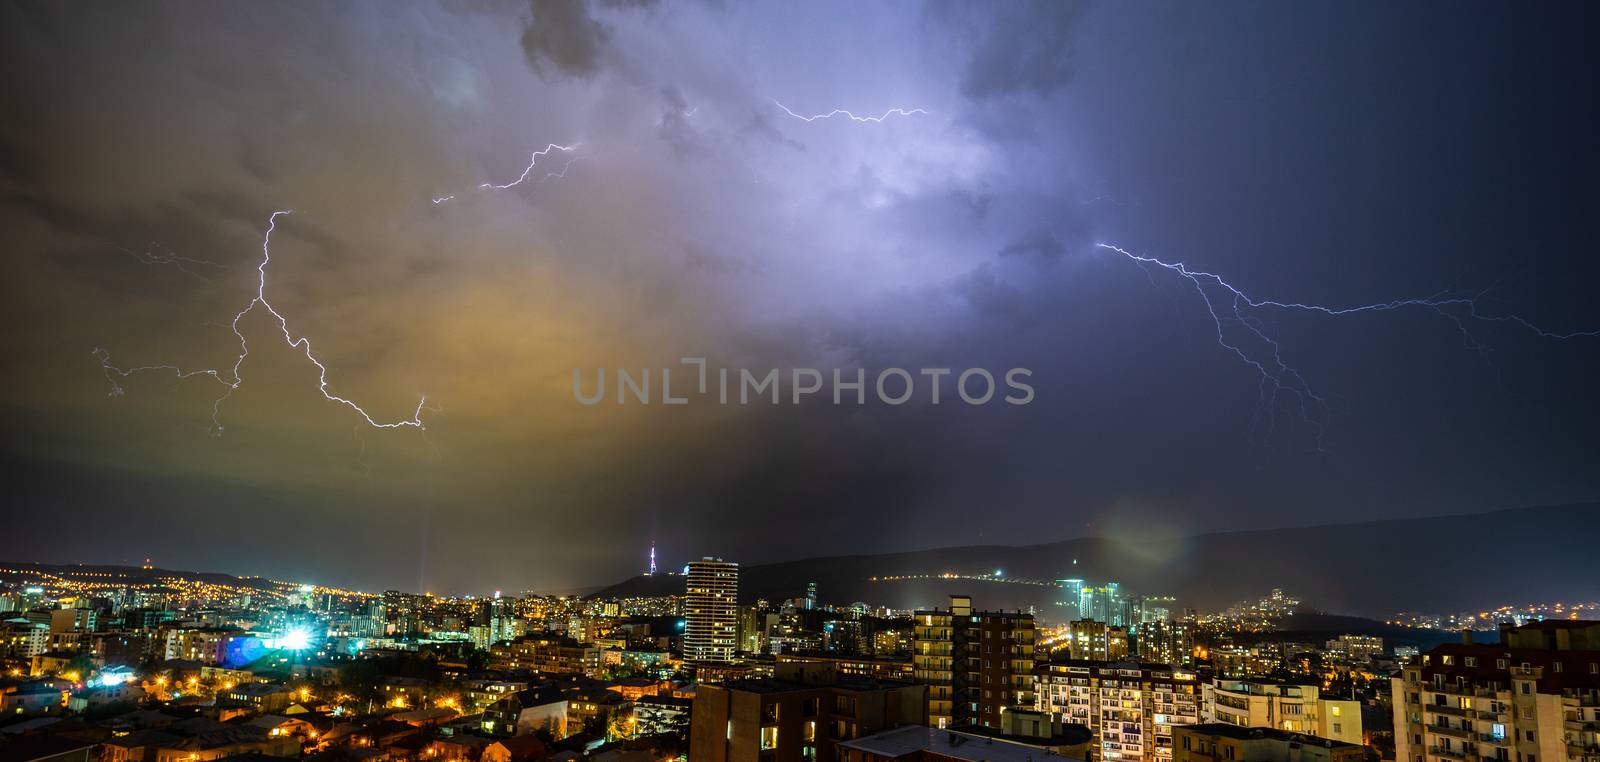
295,639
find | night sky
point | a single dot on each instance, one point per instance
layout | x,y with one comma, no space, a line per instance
1334,154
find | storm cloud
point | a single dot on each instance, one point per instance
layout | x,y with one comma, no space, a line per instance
692,217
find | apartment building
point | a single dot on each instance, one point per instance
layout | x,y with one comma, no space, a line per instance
801,715
1130,707
1221,742
711,611
1282,705
1095,640
975,663
546,655
1499,703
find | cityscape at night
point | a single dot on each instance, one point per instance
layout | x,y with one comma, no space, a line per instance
724,381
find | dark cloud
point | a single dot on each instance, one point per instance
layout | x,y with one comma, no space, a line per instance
562,38
699,220
1041,246
1029,47
989,296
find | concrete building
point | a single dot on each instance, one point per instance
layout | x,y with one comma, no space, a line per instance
711,612
1164,642
1355,649
1097,641
546,655
975,663
526,711
1221,742
1490,703
801,715
1282,705
881,668
1130,707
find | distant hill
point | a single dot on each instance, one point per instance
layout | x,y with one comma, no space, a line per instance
1437,564
19,571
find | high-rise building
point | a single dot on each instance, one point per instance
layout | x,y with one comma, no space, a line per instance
752,629
1071,596
1165,642
711,611
1535,697
1130,707
975,663
1090,639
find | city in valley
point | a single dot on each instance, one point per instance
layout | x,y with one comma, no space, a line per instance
819,381
153,665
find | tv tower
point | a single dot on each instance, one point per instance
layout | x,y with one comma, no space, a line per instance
652,558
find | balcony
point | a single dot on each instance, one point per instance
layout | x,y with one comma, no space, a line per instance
1445,730
1464,756
1462,690
1453,711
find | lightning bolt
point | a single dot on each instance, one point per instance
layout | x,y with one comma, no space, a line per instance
234,378
157,254
1230,305
533,162
841,112
113,373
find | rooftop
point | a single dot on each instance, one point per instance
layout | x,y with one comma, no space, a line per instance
1245,734
901,742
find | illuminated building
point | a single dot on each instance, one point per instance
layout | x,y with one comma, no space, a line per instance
1239,660
1297,708
1355,649
496,621
546,655
542,707
1473,703
711,611
73,620
206,645
23,640
1130,707
1165,643
1091,639
752,630
263,697
1071,597
974,663
882,668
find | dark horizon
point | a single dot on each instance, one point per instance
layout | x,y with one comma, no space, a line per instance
668,568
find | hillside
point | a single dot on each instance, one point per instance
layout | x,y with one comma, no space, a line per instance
1372,569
